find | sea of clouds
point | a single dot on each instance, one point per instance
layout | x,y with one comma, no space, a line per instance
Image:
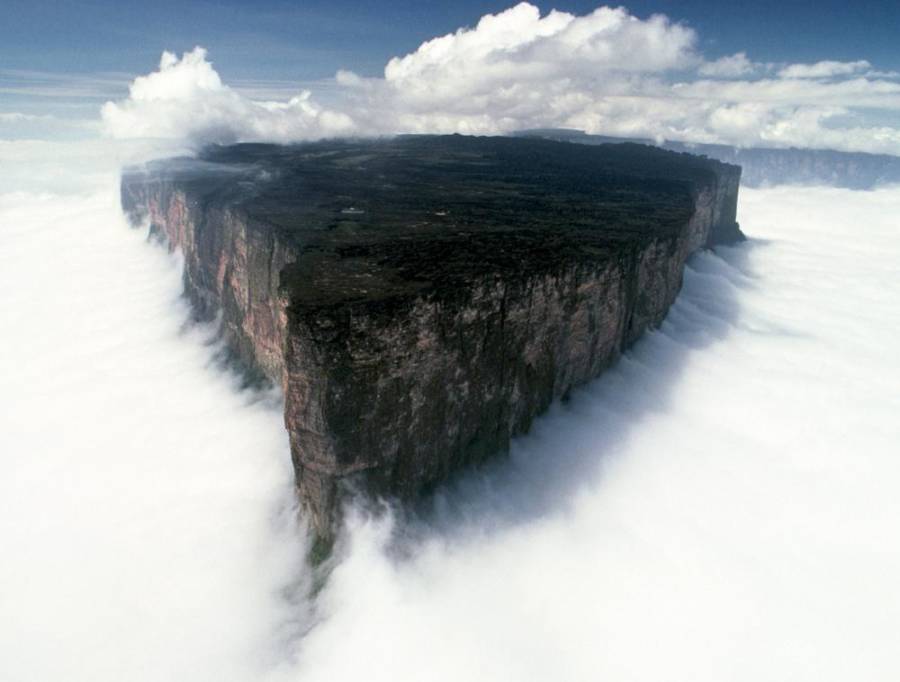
147,518
720,505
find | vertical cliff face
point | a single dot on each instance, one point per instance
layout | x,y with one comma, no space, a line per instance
418,321
230,267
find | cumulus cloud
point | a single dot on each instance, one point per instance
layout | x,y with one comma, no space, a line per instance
517,69
520,44
824,69
731,66
607,72
185,98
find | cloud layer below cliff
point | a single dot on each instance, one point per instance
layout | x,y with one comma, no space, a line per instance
146,520
721,505
604,72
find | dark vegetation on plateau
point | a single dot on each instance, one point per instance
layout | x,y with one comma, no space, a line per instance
382,219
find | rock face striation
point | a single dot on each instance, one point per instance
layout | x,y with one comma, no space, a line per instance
421,299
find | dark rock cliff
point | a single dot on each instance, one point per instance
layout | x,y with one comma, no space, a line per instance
420,300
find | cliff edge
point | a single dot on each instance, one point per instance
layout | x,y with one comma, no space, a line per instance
421,299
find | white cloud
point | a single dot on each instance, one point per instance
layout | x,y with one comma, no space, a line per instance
146,529
520,46
732,66
186,98
517,69
653,512
148,532
17,125
19,117
824,69
605,72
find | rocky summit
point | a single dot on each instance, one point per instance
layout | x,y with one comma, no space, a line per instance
421,299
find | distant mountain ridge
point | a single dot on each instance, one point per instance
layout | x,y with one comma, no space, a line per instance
763,166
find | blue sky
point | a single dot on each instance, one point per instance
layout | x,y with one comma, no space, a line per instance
748,73
312,39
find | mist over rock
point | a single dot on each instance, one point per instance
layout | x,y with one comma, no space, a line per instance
765,167
420,300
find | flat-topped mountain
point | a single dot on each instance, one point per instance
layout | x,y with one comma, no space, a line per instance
421,299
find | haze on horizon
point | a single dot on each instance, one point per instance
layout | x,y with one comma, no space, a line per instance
720,505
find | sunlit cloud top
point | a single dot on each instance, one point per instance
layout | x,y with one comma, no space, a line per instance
606,72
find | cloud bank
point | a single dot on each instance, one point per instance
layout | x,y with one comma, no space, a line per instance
185,98
825,69
721,505
605,72
147,521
